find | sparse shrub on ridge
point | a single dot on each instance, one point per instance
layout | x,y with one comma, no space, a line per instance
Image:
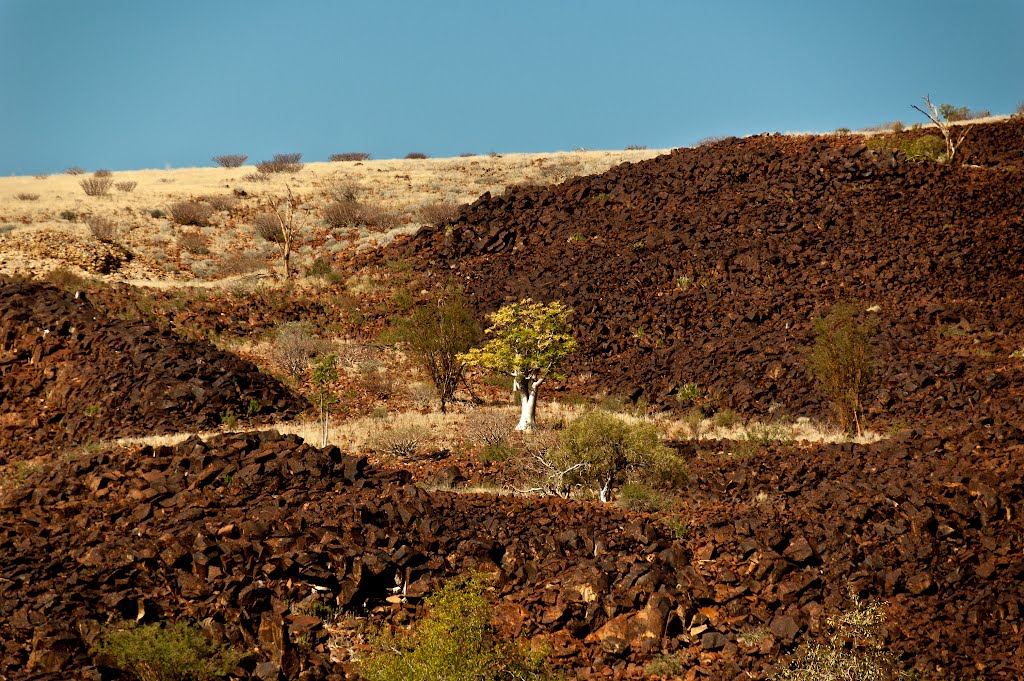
191,213
172,652
281,163
416,155
102,173
841,361
74,170
349,156
96,186
230,160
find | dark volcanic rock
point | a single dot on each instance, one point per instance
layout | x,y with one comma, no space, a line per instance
70,375
708,266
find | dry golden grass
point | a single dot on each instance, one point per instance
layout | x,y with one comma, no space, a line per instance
400,187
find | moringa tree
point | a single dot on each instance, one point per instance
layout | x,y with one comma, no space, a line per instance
528,342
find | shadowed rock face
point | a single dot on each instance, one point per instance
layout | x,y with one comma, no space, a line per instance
708,266
70,375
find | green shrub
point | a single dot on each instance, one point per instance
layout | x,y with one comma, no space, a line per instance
925,148
453,642
497,453
840,360
637,496
688,393
322,269
952,113
922,148
671,666
599,449
726,418
165,653
853,650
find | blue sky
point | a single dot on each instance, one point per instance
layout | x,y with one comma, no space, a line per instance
129,84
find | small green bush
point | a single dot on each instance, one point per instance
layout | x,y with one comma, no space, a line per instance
922,148
637,496
841,362
952,113
453,642
726,418
599,450
165,653
853,650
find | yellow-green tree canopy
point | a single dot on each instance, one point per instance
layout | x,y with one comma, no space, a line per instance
528,340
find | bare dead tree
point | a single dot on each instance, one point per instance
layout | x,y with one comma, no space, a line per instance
286,231
944,127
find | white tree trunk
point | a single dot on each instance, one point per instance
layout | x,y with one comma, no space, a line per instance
527,389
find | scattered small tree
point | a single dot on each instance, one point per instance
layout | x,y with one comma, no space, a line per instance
230,160
942,122
281,228
600,450
529,342
841,360
438,335
325,373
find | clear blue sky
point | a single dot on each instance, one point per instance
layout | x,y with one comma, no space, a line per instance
125,84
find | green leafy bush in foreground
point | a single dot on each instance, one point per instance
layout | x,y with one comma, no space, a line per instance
453,642
173,652
854,650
